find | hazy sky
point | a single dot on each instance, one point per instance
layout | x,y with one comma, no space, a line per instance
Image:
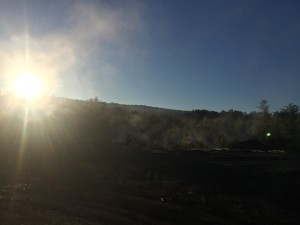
173,54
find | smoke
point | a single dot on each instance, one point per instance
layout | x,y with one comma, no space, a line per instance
103,22
90,37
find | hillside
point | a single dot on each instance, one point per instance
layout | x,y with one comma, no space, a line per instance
87,162
60,120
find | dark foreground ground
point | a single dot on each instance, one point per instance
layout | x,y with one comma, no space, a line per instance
128,187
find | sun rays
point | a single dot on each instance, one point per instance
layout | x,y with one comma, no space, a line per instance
28,86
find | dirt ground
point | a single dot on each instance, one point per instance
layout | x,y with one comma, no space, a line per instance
121,186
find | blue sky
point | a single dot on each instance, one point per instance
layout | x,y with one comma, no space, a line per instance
186,55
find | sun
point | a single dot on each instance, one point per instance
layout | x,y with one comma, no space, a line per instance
28,86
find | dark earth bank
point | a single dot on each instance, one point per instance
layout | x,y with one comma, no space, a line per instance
89,185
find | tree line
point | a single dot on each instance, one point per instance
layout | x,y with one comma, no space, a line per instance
63,121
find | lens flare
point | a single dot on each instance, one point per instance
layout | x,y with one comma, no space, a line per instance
28,86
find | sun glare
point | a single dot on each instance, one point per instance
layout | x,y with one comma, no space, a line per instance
28,86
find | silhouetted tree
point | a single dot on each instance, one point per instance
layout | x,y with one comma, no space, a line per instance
264,120
264,106
288,119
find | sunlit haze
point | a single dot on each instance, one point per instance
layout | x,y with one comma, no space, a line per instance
170,112
28,86
175,54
